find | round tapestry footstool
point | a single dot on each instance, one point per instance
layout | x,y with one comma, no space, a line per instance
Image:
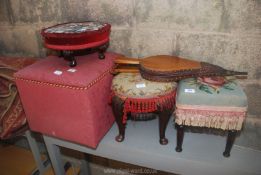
76,36
133,94
217,102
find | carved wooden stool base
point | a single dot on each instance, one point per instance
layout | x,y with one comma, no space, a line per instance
164,117
230,140
69,55
133,96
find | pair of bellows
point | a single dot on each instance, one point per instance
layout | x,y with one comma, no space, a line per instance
164,68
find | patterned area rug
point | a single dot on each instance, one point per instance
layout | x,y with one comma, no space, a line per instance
12,117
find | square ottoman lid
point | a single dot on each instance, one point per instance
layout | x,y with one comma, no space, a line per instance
54,70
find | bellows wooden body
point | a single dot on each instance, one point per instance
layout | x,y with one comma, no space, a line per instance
165,68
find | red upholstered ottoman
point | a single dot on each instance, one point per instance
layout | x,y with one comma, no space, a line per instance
68,103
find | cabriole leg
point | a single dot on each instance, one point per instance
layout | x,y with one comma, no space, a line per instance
230,141
68,55
117,106
180,136
102,49
164,117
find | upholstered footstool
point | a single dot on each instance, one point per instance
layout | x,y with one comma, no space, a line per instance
65,103
133,94
210,102
69,38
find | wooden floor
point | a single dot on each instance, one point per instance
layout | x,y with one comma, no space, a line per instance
19,161
70,171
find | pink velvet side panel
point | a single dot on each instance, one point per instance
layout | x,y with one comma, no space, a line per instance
103,117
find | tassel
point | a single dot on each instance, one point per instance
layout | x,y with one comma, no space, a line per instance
139,103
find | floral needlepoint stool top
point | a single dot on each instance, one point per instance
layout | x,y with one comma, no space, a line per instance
133,94
215,103
70,37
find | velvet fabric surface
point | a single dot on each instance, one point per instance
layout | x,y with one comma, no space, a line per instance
66,103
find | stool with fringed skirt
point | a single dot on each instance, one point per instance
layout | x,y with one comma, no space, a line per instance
216,102
131,94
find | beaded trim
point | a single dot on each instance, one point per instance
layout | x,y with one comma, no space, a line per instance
67,86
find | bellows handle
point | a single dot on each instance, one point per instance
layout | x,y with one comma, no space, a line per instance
126,60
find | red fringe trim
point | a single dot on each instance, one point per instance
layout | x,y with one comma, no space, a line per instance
148,105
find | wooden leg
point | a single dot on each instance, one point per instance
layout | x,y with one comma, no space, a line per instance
180,136
68,55
230,141
163,121
102,49
117,106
